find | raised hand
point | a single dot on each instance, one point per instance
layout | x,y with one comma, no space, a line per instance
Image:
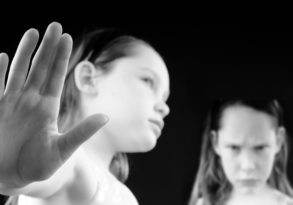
31,148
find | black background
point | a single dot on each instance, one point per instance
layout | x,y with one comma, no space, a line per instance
205,61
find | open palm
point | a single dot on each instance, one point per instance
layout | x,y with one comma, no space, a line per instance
31,148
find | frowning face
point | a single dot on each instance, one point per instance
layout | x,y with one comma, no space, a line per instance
247,143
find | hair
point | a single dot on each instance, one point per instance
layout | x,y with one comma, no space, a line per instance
101,47
211,185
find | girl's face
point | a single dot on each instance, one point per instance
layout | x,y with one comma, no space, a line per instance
133,94
246,143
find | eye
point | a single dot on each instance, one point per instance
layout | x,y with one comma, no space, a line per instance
260,148
234,148
149,81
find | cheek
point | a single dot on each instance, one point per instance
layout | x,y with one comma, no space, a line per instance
128,125
263,164
126,98
129,105
229,165
132,134
139,102
266,162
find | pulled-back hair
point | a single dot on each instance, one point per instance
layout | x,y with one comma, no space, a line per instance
100,47
211,185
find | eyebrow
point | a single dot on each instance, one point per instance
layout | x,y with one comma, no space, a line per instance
241,144
167,93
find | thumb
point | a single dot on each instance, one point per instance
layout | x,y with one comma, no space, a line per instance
70,141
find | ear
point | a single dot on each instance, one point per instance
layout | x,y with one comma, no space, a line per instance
215,139
281,135
85,74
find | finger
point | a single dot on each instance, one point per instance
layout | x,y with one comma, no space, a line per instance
20,63
71,140
43,58
3,68
57,73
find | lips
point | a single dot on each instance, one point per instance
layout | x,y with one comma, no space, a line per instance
159,123
248,182
158,126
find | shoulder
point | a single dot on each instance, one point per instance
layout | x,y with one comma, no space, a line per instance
112,191
196,201
124,193
12,200
289,201
283,198
199,201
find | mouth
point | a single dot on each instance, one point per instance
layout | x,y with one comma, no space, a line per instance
248,182
157,126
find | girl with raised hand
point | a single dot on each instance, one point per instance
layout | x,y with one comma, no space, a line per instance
243,156
50,150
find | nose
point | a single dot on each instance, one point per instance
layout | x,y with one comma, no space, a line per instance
247,163
162,108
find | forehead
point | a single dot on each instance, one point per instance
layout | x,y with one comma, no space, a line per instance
143,58
241,124
151,59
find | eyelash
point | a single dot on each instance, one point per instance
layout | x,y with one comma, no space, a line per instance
260,148
148,80
235,148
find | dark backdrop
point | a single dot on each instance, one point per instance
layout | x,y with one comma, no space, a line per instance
205,62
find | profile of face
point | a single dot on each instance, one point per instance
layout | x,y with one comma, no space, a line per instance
247,142
132,94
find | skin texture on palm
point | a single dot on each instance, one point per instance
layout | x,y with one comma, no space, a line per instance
31,147
142,78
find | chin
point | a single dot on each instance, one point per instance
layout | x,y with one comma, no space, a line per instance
145,144
150,143
150,146
249,190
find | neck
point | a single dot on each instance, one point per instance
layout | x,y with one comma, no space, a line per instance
99,151
250,192
97,148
